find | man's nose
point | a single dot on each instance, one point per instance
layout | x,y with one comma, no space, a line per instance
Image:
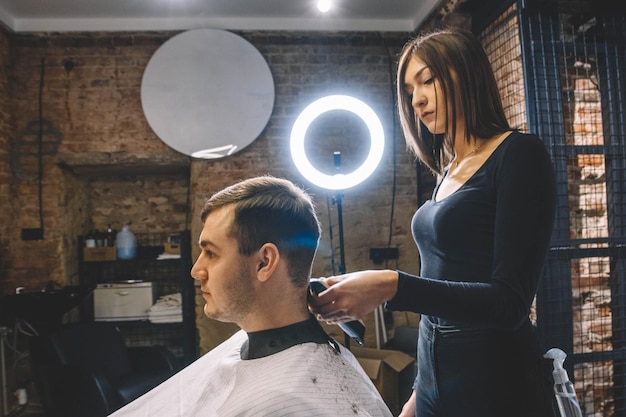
197,272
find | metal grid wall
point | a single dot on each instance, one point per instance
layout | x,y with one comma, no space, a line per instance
502,44
560,66
574,55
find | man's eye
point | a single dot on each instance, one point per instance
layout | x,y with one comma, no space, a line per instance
209,253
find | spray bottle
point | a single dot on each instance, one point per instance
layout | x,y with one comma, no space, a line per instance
563,387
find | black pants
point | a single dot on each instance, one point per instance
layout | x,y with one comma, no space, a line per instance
481,373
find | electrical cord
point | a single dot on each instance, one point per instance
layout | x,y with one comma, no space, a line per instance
330,235
393,142
40,142
21,326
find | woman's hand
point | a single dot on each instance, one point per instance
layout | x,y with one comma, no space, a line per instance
354,295
408,410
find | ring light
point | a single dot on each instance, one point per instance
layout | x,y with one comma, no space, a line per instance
314,110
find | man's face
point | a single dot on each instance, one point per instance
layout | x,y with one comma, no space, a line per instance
226,277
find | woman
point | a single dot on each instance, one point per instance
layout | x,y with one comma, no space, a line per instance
482,238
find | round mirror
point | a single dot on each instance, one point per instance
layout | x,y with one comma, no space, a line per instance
207,93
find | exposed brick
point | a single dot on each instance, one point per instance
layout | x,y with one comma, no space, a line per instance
95,129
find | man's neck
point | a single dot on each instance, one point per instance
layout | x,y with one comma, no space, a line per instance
274,312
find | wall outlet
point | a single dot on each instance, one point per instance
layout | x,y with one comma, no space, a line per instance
32,234
378,255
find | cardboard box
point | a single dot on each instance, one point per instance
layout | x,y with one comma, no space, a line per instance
101,253
172,248
391,371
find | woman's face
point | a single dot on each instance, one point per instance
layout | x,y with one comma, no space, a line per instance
425,93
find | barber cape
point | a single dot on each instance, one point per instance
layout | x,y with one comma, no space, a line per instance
307,379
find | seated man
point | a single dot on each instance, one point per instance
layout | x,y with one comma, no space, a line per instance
258,243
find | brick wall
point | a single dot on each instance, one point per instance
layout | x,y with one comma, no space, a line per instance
94,130
592,296
5,172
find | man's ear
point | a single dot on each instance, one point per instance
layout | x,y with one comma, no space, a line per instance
268,259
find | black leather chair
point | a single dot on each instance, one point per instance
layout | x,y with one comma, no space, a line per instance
86,370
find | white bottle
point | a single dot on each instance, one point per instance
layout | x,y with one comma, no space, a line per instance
126,243
563,387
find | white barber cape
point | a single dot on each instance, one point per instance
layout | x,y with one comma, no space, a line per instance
307,379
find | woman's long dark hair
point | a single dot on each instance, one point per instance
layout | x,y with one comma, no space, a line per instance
458,61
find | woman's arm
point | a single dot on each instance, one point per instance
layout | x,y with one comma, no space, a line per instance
354,295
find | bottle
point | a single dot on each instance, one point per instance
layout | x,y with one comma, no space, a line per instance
126,243
99,236
90,239
111,235
563,387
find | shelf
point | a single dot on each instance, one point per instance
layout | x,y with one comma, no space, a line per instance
169,276
123,163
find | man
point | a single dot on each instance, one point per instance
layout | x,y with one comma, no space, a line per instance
258,243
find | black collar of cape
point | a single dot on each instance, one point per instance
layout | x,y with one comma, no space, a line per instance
268,342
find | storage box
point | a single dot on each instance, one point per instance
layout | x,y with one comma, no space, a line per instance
101,253
172,248
123,301
391,371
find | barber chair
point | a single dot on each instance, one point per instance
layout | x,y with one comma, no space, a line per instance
86,370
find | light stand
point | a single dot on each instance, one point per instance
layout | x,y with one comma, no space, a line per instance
338,181
337,199
342,256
